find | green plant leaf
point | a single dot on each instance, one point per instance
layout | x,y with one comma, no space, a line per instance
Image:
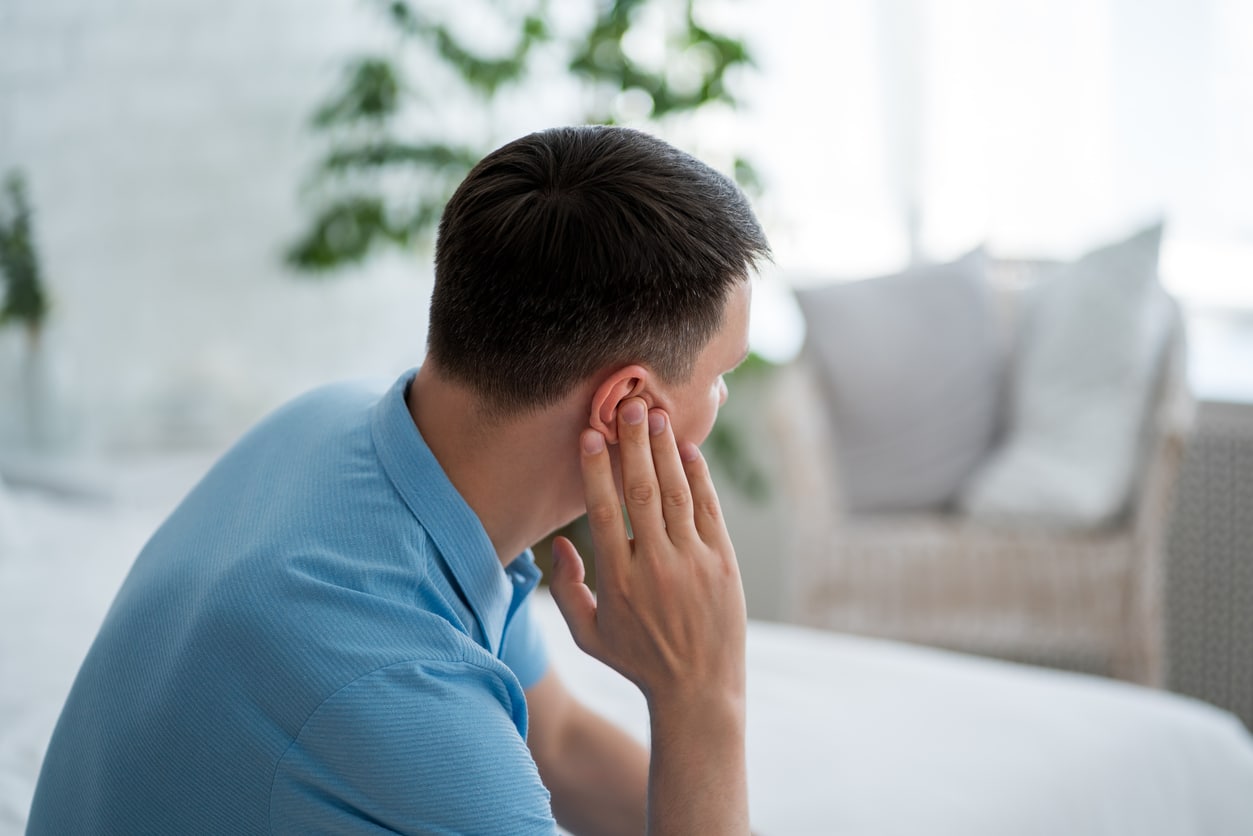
747,177
342,233
401,183
370,93
484,75
382,153
25,300
726,445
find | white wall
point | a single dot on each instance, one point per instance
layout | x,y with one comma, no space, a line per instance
164,144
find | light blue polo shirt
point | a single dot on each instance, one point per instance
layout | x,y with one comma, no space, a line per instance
319,639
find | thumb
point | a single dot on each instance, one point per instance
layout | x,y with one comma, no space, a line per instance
574,599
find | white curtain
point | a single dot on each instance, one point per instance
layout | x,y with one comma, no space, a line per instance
1039,128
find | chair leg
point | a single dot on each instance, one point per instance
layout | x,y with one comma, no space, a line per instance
1138,658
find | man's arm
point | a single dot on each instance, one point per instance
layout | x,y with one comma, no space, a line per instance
597,774
669,615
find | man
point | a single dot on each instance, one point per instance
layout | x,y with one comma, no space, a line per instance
331,632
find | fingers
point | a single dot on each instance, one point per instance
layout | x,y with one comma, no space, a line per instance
676,496
604,511
706,510
639,480
574,599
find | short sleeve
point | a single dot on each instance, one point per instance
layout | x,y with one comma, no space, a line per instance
524,651
413,748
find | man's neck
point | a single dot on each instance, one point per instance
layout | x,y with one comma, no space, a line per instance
519,475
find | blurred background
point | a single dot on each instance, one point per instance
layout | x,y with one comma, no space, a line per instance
210,207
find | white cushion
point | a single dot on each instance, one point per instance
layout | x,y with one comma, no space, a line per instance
911,366
1082,385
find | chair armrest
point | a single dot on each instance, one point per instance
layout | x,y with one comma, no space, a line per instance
1171,422
812,509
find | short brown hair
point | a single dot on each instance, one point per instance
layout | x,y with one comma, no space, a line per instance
575,249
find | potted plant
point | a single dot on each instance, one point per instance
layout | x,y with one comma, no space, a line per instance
25,301
393,162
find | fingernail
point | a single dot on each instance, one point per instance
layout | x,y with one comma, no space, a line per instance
656,423
593,442
689,452
633,412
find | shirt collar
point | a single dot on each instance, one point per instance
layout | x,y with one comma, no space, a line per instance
493,592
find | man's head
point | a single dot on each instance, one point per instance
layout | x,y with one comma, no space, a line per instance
576,251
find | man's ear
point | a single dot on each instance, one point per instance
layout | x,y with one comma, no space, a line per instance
616,387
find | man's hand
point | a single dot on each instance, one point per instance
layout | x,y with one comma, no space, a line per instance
669,615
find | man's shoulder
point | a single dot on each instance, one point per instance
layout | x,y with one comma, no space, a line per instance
329,399
312,432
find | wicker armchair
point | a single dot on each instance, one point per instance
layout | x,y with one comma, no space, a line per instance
1081,601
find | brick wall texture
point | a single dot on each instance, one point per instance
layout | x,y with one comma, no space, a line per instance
164,144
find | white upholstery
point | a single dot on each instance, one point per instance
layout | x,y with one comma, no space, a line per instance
1088,356
911,367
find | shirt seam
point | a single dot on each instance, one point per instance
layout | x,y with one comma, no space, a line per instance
464,659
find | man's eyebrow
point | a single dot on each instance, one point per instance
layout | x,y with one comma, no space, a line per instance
743,357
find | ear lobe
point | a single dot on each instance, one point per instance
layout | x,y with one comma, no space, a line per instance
627,382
